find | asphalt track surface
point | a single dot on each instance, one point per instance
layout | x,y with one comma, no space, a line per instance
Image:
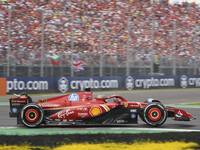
167,97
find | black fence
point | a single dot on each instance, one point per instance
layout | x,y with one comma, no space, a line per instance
58,71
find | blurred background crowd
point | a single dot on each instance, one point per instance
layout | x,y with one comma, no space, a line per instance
80,22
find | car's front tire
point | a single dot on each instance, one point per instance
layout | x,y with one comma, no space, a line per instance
32,115
155,114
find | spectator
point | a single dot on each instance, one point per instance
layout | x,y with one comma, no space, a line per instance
26,28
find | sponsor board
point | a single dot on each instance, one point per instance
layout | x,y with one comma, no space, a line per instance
93,84
189,81
148,82
183,81
63,84
68,84
19,84
59,84
129,82
155,82
76,84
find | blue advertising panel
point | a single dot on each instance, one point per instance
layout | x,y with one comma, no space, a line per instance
61,84
29,85
188,81
72,84
106,83
149,82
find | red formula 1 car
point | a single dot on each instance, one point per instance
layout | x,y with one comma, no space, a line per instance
82,108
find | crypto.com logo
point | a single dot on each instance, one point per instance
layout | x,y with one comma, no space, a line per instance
129,83
183,81
63,84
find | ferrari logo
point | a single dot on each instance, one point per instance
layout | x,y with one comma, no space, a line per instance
42,101
125,105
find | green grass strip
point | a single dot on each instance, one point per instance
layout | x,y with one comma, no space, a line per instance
191,104
53,131
4,103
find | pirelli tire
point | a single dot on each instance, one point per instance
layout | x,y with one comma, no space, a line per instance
32,115
155,114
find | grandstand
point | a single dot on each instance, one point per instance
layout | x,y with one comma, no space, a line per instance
100,33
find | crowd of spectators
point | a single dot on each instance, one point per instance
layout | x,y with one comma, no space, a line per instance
84,18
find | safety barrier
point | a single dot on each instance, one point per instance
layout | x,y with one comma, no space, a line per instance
105,83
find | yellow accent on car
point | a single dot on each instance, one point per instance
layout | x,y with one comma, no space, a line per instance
107,107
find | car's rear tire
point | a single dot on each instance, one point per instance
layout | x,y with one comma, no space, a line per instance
155,114
32,115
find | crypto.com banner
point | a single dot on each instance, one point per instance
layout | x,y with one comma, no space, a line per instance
106,83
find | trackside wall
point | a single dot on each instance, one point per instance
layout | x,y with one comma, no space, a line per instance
2,86
106,83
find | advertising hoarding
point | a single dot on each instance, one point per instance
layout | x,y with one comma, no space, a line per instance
106,83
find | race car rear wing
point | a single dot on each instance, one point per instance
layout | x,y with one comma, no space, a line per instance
17,103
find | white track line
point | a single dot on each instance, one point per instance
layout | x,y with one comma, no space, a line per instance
8,127
156,129
149,129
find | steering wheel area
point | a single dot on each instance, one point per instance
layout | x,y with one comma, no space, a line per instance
113,99
117,100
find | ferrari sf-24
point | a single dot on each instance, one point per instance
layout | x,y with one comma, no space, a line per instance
82,108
